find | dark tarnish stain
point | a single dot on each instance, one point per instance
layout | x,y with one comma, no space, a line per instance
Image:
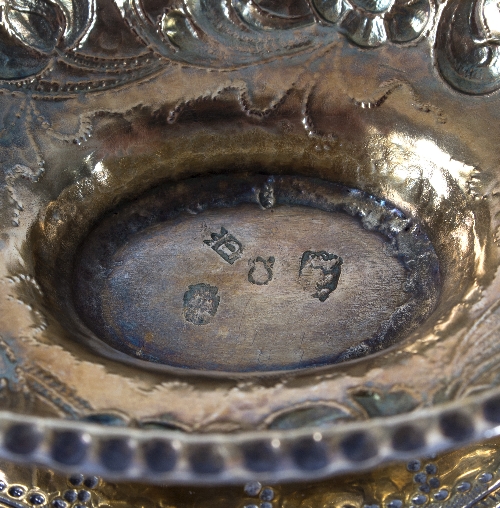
317,416
385,404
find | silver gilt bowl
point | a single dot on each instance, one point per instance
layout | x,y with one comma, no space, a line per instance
249,241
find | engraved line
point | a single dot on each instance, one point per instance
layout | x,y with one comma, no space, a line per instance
11,503
484,495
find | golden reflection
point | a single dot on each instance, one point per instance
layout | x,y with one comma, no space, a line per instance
101,173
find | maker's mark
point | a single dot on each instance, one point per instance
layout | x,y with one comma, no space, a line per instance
226,245
320,271
201,302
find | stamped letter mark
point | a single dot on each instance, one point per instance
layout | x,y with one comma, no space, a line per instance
226,245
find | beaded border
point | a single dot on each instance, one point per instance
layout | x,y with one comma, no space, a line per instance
309,453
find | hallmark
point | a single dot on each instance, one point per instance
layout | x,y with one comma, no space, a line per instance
201,302
226,245
261,270
320,270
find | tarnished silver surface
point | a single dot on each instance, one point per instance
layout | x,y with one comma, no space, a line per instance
252,238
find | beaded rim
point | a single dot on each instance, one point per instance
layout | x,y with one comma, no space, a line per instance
309,453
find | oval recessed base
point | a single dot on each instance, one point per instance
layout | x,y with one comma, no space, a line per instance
254,273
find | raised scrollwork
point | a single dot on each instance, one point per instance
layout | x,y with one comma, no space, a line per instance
36,35
370,23
225,34
468,46
31,32
240,32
